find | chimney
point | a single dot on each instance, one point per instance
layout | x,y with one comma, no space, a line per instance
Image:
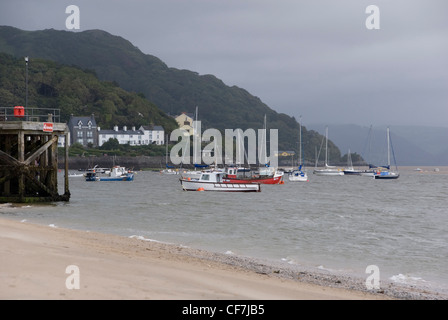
125,128
115,128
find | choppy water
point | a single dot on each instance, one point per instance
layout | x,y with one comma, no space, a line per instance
342,223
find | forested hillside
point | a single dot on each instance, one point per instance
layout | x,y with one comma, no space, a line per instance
116,60
75,91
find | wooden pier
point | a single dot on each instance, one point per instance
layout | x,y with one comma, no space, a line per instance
29,161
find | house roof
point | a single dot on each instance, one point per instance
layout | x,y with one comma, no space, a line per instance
84,121
153,128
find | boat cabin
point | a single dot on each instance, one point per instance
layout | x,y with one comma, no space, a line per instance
212,176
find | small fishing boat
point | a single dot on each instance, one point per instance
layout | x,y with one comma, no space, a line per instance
266,175
214,181
169,171
298,175
75,175
117,173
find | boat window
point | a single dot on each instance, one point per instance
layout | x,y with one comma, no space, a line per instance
205,177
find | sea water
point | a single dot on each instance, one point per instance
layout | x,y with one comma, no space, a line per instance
340,223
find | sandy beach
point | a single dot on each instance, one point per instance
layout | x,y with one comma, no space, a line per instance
48,262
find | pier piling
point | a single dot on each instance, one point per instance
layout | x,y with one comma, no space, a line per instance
29,161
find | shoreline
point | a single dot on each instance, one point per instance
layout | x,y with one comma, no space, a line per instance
35,258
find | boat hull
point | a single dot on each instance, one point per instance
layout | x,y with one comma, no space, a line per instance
268,180
325,172
386,175
352,173
125,178
298,176
192,185
93,177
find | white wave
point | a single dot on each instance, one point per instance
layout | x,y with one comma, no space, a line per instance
229,252
147,239
52,225
406,279
289,260
143,238
6,205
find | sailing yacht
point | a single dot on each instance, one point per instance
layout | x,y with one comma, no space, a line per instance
168,169
385,171
349,170
327,170
299,174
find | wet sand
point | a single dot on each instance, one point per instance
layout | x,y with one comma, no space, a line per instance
45,262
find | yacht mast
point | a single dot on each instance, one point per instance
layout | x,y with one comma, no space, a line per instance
326,146
300,141
388,148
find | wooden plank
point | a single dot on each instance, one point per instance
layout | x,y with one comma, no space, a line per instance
41,150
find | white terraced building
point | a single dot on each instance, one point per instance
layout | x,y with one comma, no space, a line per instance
145,135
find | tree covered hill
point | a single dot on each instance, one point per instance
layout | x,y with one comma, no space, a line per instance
74,91
116,60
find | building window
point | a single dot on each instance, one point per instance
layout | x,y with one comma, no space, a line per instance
89,134
79,134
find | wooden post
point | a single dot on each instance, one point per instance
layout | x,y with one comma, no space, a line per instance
21,158
66,191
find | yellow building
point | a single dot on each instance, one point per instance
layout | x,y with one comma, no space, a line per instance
185,122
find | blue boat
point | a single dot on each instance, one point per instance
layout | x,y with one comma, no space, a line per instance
117,173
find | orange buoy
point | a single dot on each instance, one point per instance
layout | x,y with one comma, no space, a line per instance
200,189
188,178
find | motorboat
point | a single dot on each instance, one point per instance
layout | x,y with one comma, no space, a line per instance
116,173
214,181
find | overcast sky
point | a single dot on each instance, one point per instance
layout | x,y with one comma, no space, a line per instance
310,58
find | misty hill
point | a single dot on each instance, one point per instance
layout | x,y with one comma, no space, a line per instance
413,145
75,91
174,91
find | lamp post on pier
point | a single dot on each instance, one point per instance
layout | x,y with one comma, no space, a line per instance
26,84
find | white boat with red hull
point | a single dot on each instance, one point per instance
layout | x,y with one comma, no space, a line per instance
214,181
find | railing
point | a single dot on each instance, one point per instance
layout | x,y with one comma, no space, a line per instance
30,114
